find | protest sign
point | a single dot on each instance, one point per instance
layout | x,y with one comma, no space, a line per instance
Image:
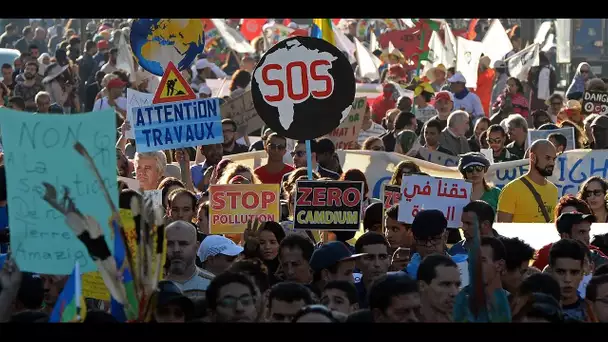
40,148
328,205
595,102
424,193
391,195
233,205
178,124
136,99
173,87
438,158
242,111
520,63
310,104
568,132
345,136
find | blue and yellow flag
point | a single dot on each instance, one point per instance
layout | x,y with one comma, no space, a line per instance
67,308
322,29
129,312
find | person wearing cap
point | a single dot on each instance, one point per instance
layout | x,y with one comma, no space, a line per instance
204,91
172,306
437,76
115,98
444,104
577,226
599,131
204,69
463,98
101,56
217,253
332,261
473,166
517,203
429,229
500,79
110,66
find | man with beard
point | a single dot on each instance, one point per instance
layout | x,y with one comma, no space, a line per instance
439,283
299,157
28,89
213,154
531,197
230,145
274,169
181,257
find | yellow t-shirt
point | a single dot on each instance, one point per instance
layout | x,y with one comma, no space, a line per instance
516,199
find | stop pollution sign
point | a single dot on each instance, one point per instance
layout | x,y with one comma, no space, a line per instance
303,87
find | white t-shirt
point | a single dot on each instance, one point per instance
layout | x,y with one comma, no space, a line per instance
102,103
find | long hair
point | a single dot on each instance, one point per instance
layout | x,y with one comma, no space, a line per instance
234,169
603,184
398,173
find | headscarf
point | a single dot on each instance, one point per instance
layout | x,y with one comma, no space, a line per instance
41,66
406,140
578,81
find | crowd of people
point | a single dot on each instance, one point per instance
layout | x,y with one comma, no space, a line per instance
390,271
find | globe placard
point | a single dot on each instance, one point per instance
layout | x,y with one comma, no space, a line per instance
156,42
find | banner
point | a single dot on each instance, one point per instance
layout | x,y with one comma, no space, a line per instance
233,205
40,148
424,193
242,111
187,123
328,205
391,195
568,132
496,42
345,136
438,158
467,62
520,63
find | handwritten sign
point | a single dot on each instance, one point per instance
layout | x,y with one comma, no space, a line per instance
345,136
595,102
136,99
391,195
424,192
242,111
328,205
233,205
178,124
40,148
568,132
438,158
94,287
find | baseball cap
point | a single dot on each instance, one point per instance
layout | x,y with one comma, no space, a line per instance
204,89
116,83
203,63
168,292
444,95
217,244
330,254
457,78
500,64
566,220
429,223
103,45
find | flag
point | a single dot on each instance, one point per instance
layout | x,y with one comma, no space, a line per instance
436,54
344,44
433,24
322,29
542,32
252,28
471,34
373,42
368,67
467,62
451,46
233,38
520,63
70,306
496,42
118,310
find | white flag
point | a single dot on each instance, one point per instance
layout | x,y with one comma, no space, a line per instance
451,46
373,42
520,63
469,52
541,34
344,44
367,66
124,60
549,43
233,38
496,42
437,53
562,34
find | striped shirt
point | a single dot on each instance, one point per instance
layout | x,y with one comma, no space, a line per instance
375,130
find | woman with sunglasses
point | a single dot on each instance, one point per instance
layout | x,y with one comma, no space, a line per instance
593,191
473,166
405,167
373,144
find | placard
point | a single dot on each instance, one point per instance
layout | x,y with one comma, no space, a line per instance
328,205
346,135
595,102
568,132
242,111
390,195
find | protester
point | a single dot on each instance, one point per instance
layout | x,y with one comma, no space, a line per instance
518,134
543,81
437,76
517,260
275,168
587,129
432,131
429,230
444,103
579,137
340,296
149,168
332,261
263,242
559,141
404,168
373,264
464,99
373,144
577,86
599,130
403,121
285,300
299,158
172,306
217,253
452,138
28,89
213,153
500,80
369,127
473,166
230,145
481,126
597,295
295,252
395,298
326,150
497,140
593,191
439,281
485,82
231,298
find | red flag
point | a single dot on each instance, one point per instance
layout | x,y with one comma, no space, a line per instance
471,34
251,28
336,21
286,22
299,33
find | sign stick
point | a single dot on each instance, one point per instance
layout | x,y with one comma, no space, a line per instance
309,159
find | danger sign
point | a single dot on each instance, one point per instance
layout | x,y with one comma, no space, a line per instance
303,87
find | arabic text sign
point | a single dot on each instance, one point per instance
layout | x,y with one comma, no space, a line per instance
242,111
179,124
424,192
345,136
328,205
40,148
568,132
438,158
233,205
391,195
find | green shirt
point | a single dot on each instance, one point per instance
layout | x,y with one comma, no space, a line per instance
491,197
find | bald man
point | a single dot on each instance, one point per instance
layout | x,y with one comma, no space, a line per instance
517,201
181,256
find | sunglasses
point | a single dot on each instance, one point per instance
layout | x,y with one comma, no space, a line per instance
299,154
477,168
276,146
494,141
597,193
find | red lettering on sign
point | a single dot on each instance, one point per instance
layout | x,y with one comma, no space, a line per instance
248,200
328,81
318,197
333,196
329,197
356,197
277,83
255,200
290,92
314,75
303,199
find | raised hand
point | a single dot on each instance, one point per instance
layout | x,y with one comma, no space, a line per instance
10,276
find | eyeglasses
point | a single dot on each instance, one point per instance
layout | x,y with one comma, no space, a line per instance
276,147
472,168
299,154
494,141
597,193
230,301
431,242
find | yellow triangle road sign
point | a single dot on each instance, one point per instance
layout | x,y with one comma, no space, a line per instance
173,87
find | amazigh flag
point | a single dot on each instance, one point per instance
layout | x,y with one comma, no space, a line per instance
122,312
322,29
70,306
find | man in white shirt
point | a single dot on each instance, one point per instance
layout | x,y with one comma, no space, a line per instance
110,67
115,98
463,98
368,127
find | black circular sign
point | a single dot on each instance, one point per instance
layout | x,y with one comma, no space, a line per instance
303,87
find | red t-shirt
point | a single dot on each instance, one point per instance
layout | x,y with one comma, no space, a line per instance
542,256
272,178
